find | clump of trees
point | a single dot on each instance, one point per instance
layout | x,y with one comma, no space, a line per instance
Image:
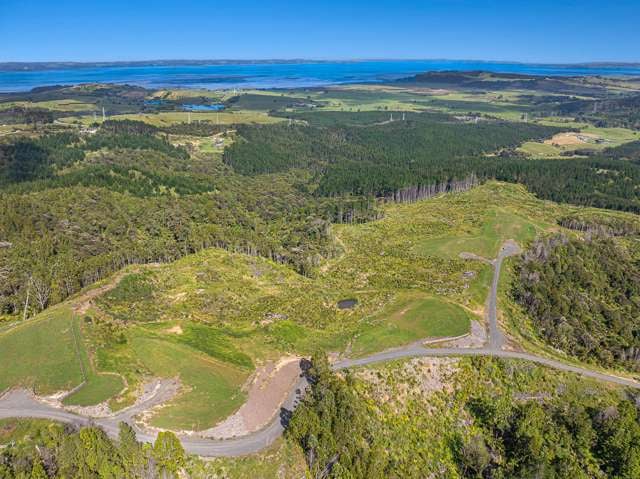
601,225
57,451
564,438
332,425
583,298
134,141
127,127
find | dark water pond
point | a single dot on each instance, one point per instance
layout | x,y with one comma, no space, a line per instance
347,303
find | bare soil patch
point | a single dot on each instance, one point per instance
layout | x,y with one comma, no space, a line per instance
266,391
177,329
476,339
570,139
418,377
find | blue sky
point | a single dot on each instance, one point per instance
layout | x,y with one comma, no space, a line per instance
532,31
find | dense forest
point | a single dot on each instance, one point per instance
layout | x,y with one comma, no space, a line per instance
570,437
583,296
378,159
424,151
338,435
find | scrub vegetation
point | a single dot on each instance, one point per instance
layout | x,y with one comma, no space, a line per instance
483,418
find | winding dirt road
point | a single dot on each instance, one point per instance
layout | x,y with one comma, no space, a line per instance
20,403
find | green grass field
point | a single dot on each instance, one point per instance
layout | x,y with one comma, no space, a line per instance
409,318
97,387
479,287
41,354
172,117
608,137
497,227
540,150
49,355
213,387
58,105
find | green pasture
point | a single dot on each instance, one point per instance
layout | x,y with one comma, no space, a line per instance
169,118
58,105
411,317
497,226
41,354
98,387
212,388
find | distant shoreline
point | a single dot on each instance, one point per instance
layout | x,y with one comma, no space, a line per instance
59,65
273,74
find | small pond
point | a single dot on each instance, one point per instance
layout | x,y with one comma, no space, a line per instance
212,107
154,102
347,303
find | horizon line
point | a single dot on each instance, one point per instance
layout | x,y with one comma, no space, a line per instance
316,60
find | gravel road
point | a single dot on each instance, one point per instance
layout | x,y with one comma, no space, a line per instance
20,403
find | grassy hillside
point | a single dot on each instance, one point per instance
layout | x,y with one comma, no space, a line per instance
209,318
42,354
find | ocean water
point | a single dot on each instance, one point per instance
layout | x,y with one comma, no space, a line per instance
277,75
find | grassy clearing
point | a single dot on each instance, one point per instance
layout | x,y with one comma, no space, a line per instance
479,287
58,105
461,104
213,386
613,136
211,341
209,147
365,99
172,117
497,226
410,318
41,354
606,138
540,150
97,387
48,354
